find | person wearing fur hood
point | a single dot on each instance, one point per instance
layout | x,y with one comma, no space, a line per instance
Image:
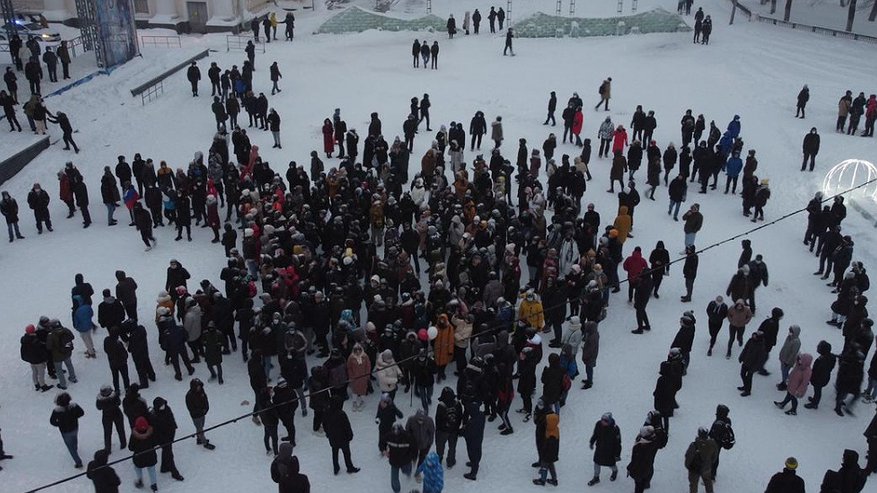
797,383
642,458
388,373
358,370
109,404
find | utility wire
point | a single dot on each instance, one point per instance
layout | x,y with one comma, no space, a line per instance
411,358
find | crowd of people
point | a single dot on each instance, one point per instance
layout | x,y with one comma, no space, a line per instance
363,277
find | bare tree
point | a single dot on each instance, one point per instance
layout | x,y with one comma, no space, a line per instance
873,15
773,6
788,12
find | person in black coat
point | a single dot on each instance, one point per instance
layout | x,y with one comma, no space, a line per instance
285,472
103,477
770,327
340,434
117,357
821,373
198,406
65,417
109,405
689,271
850,372
552,101
606,443
811,148
477,129
142,443
552,382
751,359
803,97
165,425
194,75
786,481
684,339
642,458
38,200
641,298
850,478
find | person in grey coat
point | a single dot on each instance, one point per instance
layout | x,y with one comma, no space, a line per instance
421,428
789,354
496,132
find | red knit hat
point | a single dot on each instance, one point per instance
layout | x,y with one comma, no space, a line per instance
141,425
30,329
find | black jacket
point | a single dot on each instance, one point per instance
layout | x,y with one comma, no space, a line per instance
32,350
337,427
785,481
66,418
103,477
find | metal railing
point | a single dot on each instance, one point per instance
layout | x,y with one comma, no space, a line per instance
152,92
818,30
239,43
161,41
153,88
4,47
76,46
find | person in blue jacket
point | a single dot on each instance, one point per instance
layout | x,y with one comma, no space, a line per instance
82,322
433,474
732,170
734,128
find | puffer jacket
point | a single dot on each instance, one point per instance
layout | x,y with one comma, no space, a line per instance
799,378
790,349
388,373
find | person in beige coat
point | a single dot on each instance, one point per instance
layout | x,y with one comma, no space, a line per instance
738,316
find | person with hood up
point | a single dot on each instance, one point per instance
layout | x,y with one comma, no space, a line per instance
530,310
590,350
198,406
431,470
636,267
103,476
143,443
850,478
358,370
738,316
285,472
803,97
549,449
821,373
797,383
82,322
789,355
339,433
421,429
448,418
642,458
810,148
65,417
606,443
699,458
9,209
162,419
387,373
751,359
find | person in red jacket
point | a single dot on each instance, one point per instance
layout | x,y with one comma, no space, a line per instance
870,116
635,266
578,122
328,137
619,141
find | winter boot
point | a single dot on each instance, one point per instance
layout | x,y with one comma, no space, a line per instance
594,480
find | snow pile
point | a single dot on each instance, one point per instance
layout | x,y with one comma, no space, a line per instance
541,25
355,19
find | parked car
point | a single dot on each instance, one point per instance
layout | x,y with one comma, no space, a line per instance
30,26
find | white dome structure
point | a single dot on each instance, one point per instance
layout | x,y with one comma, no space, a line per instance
849,174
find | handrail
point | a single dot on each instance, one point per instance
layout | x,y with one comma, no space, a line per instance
161,41
167,73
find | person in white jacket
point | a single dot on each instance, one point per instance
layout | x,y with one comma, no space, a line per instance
388,373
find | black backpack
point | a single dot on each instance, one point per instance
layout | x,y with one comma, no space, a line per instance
728,439
601,89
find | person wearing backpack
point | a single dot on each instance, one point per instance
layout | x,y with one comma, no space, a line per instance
722,433
59,343
699,457
605,92
448,417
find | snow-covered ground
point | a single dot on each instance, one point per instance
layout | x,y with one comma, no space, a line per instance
371,71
